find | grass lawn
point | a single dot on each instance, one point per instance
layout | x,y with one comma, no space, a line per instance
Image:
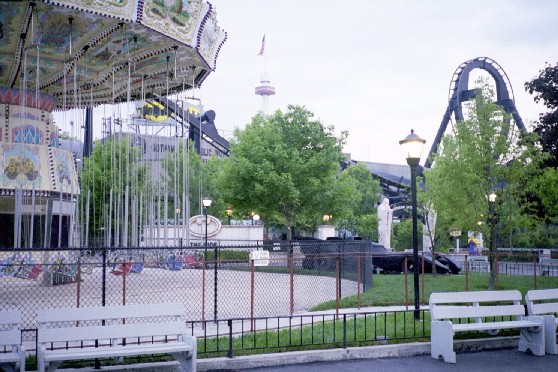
392,327
390,289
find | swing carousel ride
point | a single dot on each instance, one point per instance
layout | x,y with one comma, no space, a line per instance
68,57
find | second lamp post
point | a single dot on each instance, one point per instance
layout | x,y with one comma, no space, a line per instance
412,145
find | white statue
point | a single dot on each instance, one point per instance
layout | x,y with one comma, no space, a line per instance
385,217
429,229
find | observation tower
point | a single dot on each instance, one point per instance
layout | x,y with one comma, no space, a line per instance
265,90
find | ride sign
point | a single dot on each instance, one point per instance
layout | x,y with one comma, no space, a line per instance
260,258
455,232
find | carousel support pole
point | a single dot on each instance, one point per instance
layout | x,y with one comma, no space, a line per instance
88,133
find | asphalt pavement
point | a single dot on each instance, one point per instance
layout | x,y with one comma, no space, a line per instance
498,354
494,360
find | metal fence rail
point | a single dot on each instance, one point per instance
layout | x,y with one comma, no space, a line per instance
268,334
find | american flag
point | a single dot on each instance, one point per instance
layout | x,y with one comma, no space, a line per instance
263,46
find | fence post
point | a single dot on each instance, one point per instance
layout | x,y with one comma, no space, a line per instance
104,278
291,300
251,295
433,268
124,268
337,287
406,285
467,273
230,351
497,271
103,298
358,281
344,331
78,286
215,288
535,271
203,291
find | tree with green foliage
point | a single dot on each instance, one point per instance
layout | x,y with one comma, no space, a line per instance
484,155
286,167
545,88
364,218
403,235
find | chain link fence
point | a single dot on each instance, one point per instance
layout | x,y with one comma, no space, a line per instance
34,279
296,277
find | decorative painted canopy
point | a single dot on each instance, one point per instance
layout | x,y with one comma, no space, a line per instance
90,52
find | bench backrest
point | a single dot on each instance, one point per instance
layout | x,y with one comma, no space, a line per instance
109,312
479,304
12,336
10,317
139,322
542,301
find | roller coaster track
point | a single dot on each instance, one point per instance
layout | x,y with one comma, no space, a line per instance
459,92
199,126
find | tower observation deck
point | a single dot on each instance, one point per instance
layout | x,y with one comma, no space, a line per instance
265,90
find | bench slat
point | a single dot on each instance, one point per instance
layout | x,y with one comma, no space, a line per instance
544,308
542,294
109,312
117,351
456,312
113,331
9,357
470,297
494,325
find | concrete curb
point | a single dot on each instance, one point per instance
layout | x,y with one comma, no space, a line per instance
310,356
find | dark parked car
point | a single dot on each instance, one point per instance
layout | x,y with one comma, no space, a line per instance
321,255
394,262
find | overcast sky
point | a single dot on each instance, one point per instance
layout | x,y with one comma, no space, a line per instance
374,68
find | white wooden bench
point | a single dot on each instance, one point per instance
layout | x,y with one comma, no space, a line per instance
548,266
481,311
544,302
119,331
12,353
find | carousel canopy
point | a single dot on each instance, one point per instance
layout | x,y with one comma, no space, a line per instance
88,52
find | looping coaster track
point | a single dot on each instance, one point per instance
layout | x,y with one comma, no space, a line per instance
460,92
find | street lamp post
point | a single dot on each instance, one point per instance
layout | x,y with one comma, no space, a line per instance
491,220
412,145
229,213
206,204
